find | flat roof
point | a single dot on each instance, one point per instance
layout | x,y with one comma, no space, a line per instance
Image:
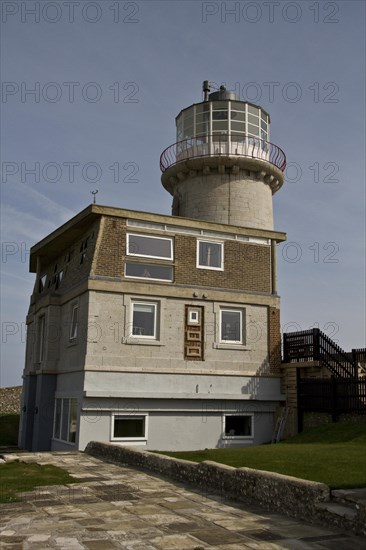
65,235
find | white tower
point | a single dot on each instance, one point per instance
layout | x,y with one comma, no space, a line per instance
223,167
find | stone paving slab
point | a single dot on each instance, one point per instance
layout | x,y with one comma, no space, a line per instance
119,507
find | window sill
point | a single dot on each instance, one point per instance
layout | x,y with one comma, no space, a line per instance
239,347
237,438
142,341
129,442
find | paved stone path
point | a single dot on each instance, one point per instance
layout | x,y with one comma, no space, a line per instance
119,507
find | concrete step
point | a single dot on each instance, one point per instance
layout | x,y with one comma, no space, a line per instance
342,510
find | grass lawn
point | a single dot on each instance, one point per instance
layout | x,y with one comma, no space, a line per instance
334,454
17,477
9,426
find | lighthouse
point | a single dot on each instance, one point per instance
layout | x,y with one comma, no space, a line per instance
223,167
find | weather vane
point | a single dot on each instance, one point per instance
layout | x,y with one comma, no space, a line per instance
94,193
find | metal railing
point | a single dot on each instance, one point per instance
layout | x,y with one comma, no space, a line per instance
214,145
314,345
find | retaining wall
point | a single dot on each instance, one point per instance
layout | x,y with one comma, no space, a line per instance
275,492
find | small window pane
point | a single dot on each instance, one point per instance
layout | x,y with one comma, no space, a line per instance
220,115
236,106
264,116
149,271
65,419
238,426
204,117
210,254
203,128
254,130
133,426
219,105
57,429
238,126
203,107
143,320
219,126
231,327
152,247
235,115
253,119
253,110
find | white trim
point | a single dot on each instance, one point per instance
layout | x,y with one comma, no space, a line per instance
198,265
238,437
128,414
170,239
232,310
145,303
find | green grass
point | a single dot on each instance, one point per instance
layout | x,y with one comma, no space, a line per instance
9,426
17,477
334,454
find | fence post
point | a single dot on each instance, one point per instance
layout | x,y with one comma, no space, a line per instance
316,344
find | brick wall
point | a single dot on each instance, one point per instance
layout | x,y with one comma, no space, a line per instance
246,266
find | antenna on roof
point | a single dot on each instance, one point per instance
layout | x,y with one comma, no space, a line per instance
94,193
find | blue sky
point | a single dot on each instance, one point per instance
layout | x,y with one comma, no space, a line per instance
109,79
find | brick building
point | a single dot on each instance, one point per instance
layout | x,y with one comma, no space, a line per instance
164,331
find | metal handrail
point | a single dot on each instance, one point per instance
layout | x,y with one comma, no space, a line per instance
211,145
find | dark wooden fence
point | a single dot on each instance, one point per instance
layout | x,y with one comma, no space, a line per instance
314,345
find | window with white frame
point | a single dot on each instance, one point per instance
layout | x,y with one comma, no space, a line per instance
74,322
237,425
65,420
149,271
132,427
232,326
149,247
144,320
210,255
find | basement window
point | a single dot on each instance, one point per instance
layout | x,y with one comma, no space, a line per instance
237,426
129,427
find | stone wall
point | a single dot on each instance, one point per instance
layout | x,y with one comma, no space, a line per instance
279,493
10,400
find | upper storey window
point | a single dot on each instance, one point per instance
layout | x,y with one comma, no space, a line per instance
149,247
210,255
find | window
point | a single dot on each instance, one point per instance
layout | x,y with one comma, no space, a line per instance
59,277
150,247
237,426
41,338
194,317
144,317
131,427
210,255
149,271
42,283
231,326
74,322
65,420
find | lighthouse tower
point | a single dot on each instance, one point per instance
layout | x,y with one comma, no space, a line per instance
223,167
